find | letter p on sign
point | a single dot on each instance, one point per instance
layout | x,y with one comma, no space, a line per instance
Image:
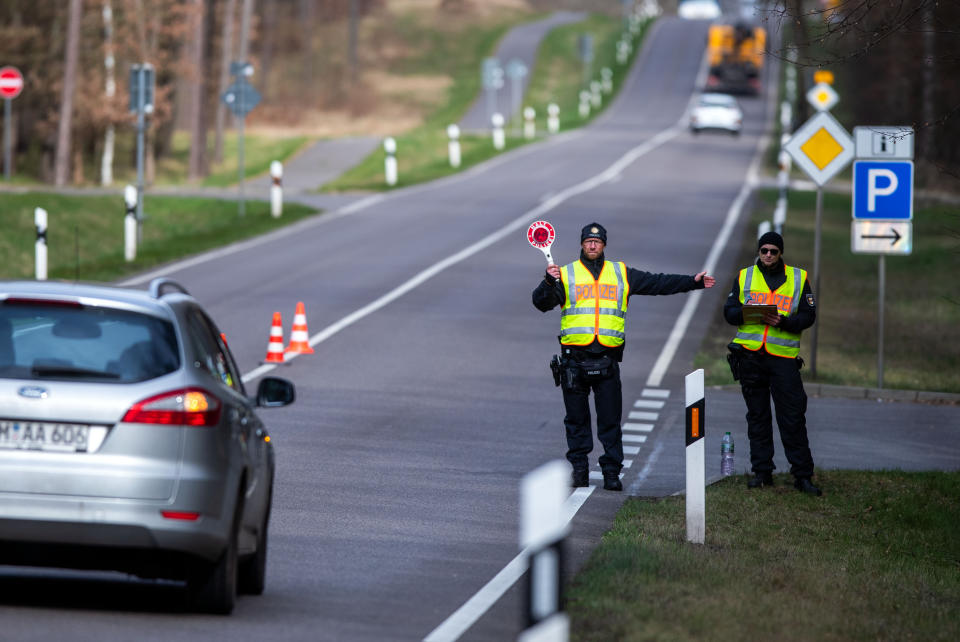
873,186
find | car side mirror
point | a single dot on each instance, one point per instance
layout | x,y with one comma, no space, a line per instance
273,392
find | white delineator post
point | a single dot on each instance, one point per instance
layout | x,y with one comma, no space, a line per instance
276,189
542,530
130,223
453,147
696,507
606,80
596,98
553,118
529,123
40,252
499,137
390,162
584,103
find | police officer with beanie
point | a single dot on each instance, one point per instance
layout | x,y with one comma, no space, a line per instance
765,357
593,293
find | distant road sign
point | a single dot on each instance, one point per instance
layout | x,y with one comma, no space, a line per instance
822,97
884,142
11,82
883,190
881,237
822,75
240,98
821,147
142,75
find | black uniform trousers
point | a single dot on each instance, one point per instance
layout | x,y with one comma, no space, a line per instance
608,399
762,376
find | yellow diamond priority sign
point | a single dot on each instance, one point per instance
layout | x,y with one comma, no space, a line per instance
822,97
821,147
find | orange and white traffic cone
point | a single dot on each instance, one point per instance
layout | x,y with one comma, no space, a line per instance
299,336
275,347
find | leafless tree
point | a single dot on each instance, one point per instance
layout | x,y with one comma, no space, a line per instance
62,164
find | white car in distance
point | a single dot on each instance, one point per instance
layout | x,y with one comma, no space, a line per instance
718,112
699,10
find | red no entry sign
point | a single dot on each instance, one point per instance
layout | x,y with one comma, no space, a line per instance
11,82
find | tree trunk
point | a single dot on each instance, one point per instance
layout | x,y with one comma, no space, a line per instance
226,57
801,39
62,165
352,43
306,24
197,166
246,13
269,22
110,90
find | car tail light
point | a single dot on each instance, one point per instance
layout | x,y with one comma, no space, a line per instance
181,515
186,407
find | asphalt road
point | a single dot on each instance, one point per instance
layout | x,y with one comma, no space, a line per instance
429,396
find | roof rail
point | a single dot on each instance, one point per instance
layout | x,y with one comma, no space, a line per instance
157,286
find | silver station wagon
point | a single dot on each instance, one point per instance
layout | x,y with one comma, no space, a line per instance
128,442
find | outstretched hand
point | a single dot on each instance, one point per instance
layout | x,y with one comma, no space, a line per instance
553,271
708,281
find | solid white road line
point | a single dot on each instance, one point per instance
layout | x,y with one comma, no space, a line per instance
464,617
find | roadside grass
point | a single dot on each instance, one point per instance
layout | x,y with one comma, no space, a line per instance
558,73
920,313
556,77
258,153
875,558
171,169
85,233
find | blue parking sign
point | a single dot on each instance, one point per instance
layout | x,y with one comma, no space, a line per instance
883,190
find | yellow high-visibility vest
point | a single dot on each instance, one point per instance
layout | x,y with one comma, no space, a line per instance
754,289
594,308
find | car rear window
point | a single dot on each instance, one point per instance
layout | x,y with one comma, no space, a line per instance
49,340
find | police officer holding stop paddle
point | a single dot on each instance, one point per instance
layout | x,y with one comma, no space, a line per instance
593,294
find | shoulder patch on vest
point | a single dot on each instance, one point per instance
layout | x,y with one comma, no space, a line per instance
810,300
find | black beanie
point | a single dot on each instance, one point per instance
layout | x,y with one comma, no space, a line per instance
771,238
593,231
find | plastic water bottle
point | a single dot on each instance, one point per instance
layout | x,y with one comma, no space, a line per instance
726,455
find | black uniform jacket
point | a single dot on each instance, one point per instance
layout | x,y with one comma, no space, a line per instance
775,277
550,293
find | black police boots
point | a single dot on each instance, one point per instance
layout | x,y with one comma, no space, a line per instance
580,478
759,480
804,485
611,480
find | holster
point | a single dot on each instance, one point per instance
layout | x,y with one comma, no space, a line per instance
557,369
735,357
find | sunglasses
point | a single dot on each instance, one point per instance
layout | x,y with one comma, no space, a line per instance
769,250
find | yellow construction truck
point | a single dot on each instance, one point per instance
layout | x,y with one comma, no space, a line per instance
735,54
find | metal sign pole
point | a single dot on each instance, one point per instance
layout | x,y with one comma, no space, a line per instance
241,205
816,279
141,99
7,157
882,269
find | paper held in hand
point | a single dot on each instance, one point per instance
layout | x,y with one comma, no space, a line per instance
541,236
753,314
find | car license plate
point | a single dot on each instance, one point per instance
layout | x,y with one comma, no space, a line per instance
34,435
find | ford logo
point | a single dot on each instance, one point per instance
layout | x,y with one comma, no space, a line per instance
33,392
